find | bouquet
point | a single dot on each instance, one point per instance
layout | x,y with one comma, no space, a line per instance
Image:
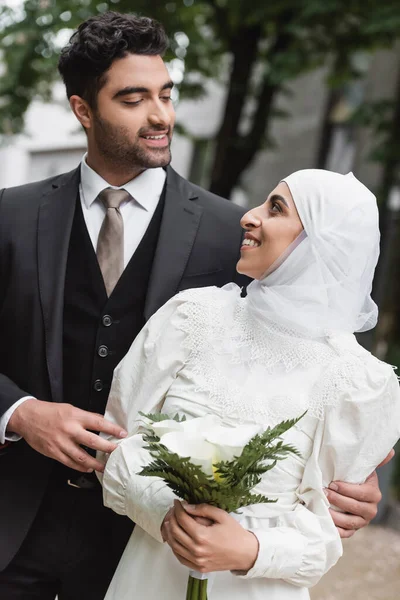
202,461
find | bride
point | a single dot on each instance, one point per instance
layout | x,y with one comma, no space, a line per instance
287,347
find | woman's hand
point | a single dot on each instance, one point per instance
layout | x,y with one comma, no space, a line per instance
222,546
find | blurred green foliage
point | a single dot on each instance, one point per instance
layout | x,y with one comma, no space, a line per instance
256,48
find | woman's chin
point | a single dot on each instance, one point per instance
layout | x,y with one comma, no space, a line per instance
245,269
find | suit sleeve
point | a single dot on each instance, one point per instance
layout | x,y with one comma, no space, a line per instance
10,393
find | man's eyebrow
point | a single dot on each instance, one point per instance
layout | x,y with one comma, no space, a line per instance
276,197
126,91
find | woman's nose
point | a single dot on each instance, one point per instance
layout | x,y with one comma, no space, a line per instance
249,221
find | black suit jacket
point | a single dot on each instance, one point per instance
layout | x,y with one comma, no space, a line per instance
198,245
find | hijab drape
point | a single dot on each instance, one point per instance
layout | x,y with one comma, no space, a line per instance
325,282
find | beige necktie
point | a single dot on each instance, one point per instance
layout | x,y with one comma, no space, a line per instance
110,244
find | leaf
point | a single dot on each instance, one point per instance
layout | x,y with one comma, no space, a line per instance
158,417
237,478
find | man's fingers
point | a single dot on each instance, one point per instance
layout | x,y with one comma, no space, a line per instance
354,507
365,492
94,441
387,459
95,422
348,522
69,462
82,461
346,533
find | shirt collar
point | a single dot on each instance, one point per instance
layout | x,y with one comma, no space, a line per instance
146,188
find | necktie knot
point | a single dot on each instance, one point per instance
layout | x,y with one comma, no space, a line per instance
113,198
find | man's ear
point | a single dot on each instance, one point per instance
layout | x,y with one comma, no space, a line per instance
82,111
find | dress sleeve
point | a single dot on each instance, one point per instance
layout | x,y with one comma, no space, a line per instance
353,438
141,382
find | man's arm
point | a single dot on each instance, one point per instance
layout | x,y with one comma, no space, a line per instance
359,503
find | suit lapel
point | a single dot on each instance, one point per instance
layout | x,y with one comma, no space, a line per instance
179,225
56,214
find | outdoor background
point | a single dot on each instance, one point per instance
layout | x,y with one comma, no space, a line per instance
262,89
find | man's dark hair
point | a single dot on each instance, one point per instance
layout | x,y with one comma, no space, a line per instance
98,42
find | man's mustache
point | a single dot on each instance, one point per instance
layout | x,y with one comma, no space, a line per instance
155,131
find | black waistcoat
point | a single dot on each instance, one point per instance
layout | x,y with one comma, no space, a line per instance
98,330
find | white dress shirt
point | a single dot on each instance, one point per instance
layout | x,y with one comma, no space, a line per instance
145,190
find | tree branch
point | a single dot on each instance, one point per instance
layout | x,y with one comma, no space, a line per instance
223,29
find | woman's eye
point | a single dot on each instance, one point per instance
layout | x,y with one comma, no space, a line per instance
275,207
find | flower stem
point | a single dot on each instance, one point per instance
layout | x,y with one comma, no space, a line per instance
203,589
196,589
189,588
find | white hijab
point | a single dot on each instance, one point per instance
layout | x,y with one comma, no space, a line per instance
324,282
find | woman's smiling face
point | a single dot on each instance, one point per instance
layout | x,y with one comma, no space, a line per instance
270,229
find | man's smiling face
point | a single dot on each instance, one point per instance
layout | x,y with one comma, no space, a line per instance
134,117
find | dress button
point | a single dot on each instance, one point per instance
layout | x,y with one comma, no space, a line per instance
98,385
103,351
107,320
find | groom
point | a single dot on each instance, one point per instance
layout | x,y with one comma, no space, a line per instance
85,259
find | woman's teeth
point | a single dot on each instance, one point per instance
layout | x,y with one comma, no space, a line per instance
249,242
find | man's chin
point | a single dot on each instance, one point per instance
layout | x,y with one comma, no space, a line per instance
157,159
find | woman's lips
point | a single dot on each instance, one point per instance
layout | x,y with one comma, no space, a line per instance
250,242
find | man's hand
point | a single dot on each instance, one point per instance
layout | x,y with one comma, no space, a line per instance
58,430
359,503
222,546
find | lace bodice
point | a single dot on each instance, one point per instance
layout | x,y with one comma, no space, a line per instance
233,357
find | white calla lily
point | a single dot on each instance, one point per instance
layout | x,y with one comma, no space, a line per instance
204,440
200,425
195,447
228,441
197,426
160,428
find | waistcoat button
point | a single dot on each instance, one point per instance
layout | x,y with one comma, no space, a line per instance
103,351
98,385
107,320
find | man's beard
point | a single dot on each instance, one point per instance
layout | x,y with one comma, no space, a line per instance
114,144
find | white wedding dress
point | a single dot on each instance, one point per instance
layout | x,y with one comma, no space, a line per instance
203,353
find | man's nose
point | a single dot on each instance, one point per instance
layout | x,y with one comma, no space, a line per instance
161,115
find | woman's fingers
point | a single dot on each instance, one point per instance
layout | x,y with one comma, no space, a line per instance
186,563
179,535
206,511
193,529
196,561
